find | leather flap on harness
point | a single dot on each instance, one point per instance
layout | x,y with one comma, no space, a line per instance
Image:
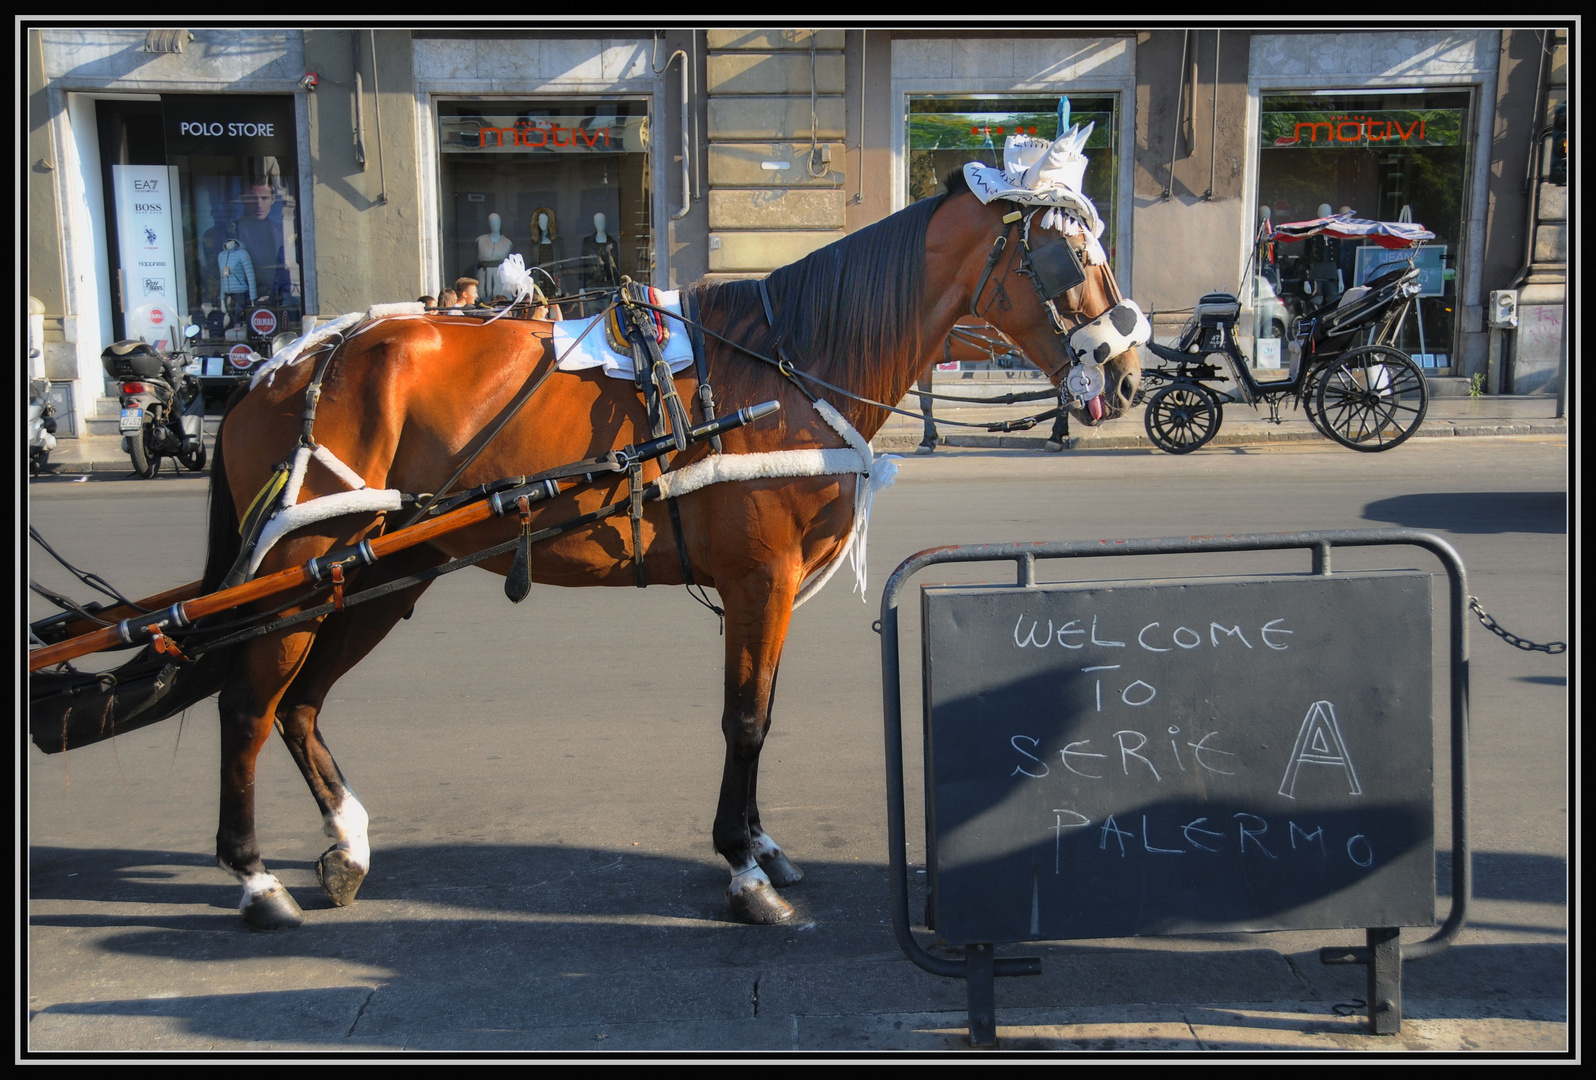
1056,270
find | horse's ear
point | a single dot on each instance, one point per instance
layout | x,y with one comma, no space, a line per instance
955,182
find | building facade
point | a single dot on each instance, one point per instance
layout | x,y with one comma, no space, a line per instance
247,180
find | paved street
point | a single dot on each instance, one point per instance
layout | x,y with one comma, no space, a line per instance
541,780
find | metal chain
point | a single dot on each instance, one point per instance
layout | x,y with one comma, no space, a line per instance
1554,647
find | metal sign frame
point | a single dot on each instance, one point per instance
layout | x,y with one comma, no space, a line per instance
1383,952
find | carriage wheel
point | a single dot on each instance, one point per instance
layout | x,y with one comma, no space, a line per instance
1310,400
1372,398
1182,417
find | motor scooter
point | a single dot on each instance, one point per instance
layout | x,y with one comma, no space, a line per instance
163,408
41,425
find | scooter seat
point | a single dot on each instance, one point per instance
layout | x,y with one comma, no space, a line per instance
130,348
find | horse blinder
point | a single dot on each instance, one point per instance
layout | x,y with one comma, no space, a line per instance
1055,270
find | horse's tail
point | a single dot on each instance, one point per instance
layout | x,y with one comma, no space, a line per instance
68,709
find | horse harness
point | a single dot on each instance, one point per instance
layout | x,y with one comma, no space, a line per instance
633,323
635,319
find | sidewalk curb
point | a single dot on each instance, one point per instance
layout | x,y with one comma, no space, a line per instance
902,440
899,442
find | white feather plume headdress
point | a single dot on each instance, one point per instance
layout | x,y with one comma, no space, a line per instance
1039,172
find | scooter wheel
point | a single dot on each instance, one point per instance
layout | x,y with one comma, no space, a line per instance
196,461
146,462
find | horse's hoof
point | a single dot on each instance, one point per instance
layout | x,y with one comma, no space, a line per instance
759,904
275,910
780,870
1053,446
924,448
339,876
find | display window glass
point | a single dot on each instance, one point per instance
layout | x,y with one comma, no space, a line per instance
564,183
944,132
1383,156
203,193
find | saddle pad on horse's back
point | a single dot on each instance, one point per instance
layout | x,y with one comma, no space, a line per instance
594,350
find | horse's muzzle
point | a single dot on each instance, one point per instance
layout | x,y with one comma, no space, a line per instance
1123,377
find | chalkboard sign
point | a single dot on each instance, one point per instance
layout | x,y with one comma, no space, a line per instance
1174,757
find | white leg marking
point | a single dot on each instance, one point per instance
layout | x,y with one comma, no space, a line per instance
749,877
347,825
764,847
255,886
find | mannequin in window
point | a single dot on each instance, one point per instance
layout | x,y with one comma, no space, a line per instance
262,237
599,266
1320,253
545,239
492,248
237,275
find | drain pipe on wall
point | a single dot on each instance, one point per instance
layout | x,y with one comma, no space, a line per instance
1532,168
360,107
687,79
1213,124
376,106
1180,93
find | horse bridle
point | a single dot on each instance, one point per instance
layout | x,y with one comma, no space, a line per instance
1054,271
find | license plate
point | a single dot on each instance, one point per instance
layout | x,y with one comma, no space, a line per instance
132,420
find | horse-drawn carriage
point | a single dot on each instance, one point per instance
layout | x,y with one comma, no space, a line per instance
394,446
1346,371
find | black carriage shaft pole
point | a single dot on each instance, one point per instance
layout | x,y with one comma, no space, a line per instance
183,613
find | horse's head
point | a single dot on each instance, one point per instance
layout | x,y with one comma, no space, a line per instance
1063,310
1036,273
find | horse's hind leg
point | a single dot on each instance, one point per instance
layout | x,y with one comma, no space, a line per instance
928,441
345,639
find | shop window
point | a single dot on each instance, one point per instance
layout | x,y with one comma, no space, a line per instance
566,182
202,192
944,132
1385,156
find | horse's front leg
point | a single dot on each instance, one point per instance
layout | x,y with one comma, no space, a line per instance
345,638
758,610
248,704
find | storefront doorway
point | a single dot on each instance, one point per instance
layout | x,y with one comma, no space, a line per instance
1387,155
201,195
564,183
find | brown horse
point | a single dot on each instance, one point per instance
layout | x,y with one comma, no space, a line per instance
406,400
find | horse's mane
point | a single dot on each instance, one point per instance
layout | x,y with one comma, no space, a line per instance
848,313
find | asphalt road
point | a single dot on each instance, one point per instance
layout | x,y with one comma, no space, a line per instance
541,780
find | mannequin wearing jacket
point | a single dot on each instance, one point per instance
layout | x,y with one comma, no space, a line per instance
237,277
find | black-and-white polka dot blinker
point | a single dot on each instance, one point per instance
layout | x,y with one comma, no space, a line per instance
1119,329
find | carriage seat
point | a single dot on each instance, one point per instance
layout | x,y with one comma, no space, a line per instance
1357,306
1214,310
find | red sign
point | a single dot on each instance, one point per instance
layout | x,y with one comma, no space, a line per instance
241,356
156,317
546,136
263,321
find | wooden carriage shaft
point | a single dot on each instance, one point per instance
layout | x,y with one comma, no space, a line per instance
188,611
